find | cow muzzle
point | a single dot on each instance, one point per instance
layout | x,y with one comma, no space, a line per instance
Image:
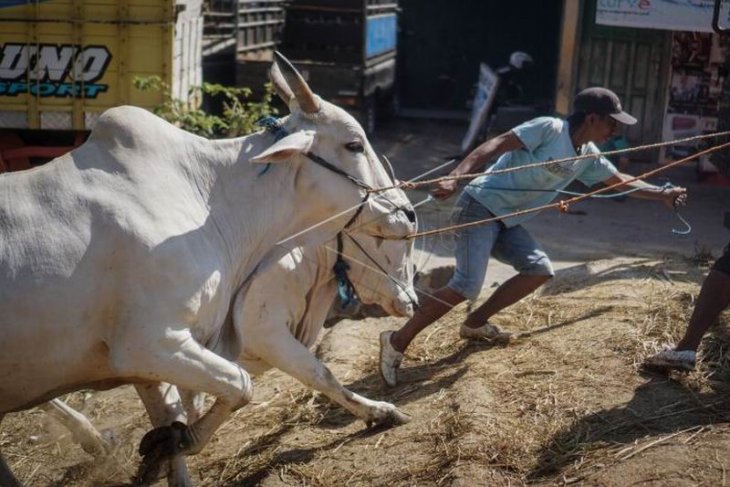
405,304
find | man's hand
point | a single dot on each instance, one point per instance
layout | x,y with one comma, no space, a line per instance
444,189
487,151
675,197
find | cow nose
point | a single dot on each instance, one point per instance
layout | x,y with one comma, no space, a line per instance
404,309
411,215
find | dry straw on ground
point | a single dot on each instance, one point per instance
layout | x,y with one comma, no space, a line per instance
565,403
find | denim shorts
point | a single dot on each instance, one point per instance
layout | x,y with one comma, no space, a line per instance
474,246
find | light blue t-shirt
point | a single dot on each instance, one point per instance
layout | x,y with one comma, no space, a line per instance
544,139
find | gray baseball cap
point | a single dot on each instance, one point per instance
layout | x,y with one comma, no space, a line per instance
602,101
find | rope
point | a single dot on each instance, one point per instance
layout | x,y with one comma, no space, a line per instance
566,192
688,228
412,185
563,205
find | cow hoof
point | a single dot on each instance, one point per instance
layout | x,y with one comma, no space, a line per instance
158,447
111,439
392,417
101,446
398,418
167,440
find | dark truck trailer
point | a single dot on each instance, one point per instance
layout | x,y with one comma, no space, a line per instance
346,49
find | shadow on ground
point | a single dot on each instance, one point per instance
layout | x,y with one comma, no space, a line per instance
660,406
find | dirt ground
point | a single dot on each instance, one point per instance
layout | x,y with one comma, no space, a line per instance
565,403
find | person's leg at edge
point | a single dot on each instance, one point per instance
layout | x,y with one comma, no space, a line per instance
713,299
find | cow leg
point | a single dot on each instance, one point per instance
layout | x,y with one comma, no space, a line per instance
164,407
280,349
81,429
193,402
175,357
6,476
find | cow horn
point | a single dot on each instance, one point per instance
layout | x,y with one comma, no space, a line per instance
306,99
280,86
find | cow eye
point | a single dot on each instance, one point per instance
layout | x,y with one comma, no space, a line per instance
356,147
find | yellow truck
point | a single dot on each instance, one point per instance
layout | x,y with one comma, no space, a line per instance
63,62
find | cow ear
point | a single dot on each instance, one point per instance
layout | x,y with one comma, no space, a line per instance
286,148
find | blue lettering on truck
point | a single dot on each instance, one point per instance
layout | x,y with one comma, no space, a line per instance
51,70
381,34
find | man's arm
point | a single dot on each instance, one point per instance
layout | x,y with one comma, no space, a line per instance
477,158
669,196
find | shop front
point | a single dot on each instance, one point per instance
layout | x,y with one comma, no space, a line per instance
664,60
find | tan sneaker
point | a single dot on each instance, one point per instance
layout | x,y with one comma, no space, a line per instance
390,359
487,331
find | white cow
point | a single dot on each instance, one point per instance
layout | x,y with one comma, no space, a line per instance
279,313
277,317
120,261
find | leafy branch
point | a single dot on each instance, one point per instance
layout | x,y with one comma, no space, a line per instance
239,114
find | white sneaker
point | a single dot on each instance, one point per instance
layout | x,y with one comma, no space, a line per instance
487,332
672,360
390,359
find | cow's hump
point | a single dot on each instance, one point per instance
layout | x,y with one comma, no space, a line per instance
134,127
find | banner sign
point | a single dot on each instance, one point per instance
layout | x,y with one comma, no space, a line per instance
682,15
486,90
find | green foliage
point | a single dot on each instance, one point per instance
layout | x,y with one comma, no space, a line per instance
239,114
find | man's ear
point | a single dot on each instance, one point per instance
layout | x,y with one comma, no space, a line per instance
286,148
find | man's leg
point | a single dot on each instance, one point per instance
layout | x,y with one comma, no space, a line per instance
432,308
514,246
394,343
473,248
713,299
506,295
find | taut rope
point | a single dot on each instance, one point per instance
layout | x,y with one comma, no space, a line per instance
412,184
563,205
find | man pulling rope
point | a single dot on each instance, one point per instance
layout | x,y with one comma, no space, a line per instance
597,114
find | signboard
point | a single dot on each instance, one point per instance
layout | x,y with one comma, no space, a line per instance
483,100
695,90
687,15
381,34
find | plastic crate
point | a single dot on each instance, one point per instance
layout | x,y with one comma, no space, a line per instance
344,4
339,31
259,28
